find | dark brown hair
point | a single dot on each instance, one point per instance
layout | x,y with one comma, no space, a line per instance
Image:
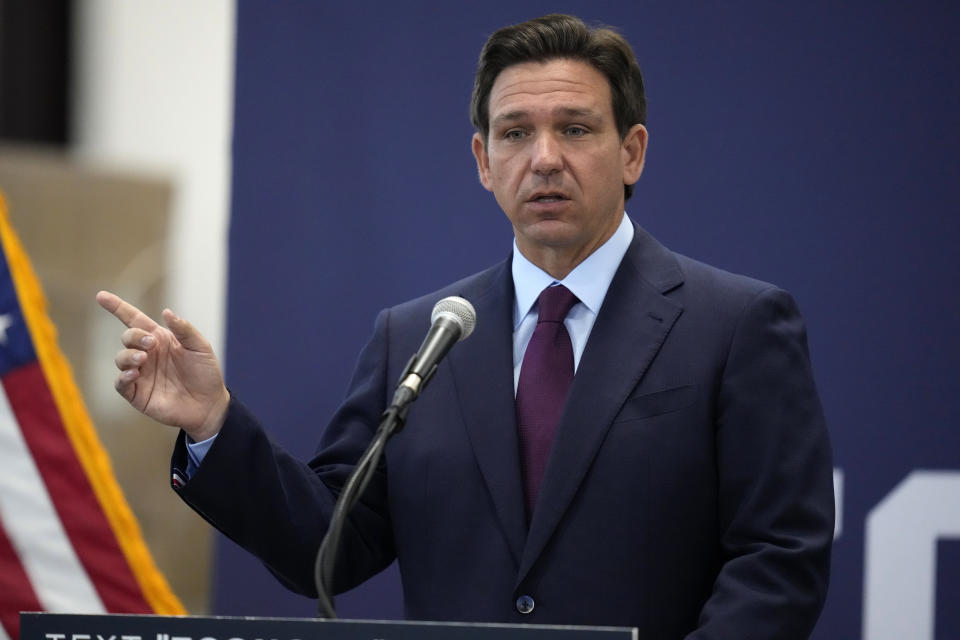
562,36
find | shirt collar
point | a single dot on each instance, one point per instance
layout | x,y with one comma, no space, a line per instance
589,280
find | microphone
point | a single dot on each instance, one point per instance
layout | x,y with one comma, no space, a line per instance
452,320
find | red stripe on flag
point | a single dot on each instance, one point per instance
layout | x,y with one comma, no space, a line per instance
16,592
70,491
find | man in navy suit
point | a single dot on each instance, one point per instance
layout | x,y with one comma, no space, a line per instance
683,484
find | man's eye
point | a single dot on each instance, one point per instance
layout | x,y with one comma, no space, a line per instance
576,131
514,134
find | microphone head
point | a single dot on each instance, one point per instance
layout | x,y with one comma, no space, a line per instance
458,310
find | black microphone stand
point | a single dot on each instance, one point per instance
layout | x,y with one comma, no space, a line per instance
452,319
391,422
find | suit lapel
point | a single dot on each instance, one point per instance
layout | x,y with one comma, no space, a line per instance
482,367
632,325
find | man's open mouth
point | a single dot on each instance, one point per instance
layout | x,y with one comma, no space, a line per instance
549,197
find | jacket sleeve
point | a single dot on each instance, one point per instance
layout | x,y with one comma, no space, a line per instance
776,503
277,506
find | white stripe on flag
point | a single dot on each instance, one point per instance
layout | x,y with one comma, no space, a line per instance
35,530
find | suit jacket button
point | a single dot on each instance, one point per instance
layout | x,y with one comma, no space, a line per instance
525,604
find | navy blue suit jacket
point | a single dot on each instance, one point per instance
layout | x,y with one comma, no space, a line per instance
688,493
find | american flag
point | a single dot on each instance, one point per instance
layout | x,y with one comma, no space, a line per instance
68,540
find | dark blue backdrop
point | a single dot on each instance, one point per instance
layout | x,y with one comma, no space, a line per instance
814,146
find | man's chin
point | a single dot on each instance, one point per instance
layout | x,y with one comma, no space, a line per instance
561,235
551,233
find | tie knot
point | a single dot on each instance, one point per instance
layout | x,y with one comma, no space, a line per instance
555,303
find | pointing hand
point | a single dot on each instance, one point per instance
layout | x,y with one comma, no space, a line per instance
168,373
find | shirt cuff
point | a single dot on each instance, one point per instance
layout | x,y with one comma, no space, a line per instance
196,451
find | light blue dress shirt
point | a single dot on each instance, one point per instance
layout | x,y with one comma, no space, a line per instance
589,281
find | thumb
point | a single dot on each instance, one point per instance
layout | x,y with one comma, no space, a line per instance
184,332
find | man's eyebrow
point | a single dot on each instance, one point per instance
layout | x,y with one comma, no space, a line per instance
509,116
575,112
570,112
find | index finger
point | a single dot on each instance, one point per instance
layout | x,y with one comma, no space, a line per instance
126,312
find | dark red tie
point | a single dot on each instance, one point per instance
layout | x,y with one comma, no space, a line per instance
545,377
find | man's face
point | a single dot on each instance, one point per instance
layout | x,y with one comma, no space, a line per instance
554,159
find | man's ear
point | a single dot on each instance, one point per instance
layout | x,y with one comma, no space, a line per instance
483,161
634,149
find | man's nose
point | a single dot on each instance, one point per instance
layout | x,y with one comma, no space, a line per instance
547,156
